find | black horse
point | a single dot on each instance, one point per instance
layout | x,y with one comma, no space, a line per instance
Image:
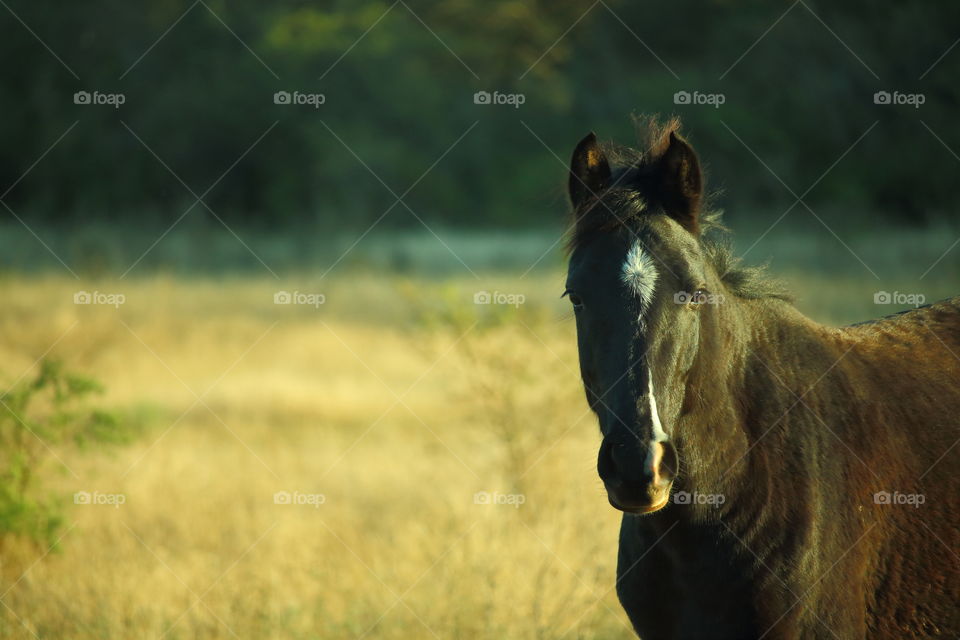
778,478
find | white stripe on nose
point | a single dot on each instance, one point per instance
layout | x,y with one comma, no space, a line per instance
659,435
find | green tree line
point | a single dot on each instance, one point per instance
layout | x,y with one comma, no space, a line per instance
397,117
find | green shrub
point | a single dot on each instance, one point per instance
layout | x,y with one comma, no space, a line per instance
48,413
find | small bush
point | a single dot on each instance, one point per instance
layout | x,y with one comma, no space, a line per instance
46,412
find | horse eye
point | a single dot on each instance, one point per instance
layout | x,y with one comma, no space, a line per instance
575,301
699,296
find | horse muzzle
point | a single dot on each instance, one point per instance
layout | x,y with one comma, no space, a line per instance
637,478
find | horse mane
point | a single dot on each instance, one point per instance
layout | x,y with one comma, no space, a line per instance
621,208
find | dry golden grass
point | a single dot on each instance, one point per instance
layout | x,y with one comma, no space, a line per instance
397,400
397,420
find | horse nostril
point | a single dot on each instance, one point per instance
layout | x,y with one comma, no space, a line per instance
660,465
606,465
669,463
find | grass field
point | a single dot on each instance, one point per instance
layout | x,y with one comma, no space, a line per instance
382,414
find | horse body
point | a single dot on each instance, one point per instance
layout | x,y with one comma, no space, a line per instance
800,547
780,479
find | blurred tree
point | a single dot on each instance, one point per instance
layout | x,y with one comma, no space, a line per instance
398,79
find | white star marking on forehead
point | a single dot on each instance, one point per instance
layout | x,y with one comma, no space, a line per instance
639,274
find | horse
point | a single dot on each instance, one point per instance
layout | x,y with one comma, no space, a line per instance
778,478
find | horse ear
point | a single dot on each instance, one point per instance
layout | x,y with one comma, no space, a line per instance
589,170
681,183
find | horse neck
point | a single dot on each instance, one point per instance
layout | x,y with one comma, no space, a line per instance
737,392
